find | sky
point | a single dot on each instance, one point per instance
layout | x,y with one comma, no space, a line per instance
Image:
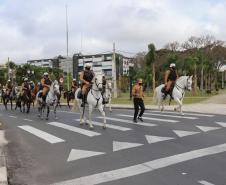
35,29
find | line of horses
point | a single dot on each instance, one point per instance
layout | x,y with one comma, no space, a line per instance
94,98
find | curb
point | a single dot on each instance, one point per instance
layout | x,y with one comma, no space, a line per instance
3,169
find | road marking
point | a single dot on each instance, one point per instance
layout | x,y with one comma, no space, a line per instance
124,145
76,154
109,126
183,133
172,116
155,139
41,134
205,182
28,120
206,129
13,116
74,129
186,113
69,112
154,119
130,122
149,166
223,124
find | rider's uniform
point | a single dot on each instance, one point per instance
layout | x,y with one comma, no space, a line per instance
9,88
25,88
86,78
104,83
46,83
170,79
74,86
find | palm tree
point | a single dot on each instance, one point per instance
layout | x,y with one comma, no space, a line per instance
150,60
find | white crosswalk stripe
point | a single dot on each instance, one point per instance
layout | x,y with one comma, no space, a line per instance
206,129
116,127
205,182
171,116
155,139
128,121
138,169
183,133
153,119
41,134
186,113
124,145
223,124
74,129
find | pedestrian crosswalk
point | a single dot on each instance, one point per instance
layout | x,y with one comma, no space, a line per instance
122,123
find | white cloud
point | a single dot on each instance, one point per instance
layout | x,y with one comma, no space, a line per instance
36,29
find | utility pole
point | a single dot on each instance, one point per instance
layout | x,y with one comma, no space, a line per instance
8,69
67,60
114,73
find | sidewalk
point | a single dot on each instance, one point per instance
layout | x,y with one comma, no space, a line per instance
211,108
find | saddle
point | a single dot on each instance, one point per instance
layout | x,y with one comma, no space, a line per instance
170,92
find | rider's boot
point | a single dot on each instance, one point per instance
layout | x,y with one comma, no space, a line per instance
44,99
165,95
83,100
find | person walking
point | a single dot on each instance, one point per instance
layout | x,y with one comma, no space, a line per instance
138,96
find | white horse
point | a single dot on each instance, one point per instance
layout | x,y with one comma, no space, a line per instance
108,94
183,83
51,100
94,99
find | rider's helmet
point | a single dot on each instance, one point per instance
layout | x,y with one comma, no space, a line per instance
74,80
172,65
9,81
45,74
140,81
25,79
87,66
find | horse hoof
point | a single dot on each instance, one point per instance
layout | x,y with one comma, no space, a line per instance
91,128
104,127
47,118
175,109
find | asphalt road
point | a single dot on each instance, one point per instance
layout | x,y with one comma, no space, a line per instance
166,149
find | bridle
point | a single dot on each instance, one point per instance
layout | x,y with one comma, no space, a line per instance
182,88
92,89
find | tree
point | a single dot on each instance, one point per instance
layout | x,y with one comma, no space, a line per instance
150,60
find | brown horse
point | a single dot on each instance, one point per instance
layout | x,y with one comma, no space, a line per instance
34,93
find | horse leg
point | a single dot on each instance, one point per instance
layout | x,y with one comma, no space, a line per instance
110,105
180,105
54,110
47,115
90,116
28,107
103,114
11,102
68,100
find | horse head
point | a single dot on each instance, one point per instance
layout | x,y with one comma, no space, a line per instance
56,87
98,82
189,83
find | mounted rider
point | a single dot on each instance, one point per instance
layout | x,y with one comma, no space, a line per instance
26,89
170,79
104,83
86,77
9,87
74,86
46,83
